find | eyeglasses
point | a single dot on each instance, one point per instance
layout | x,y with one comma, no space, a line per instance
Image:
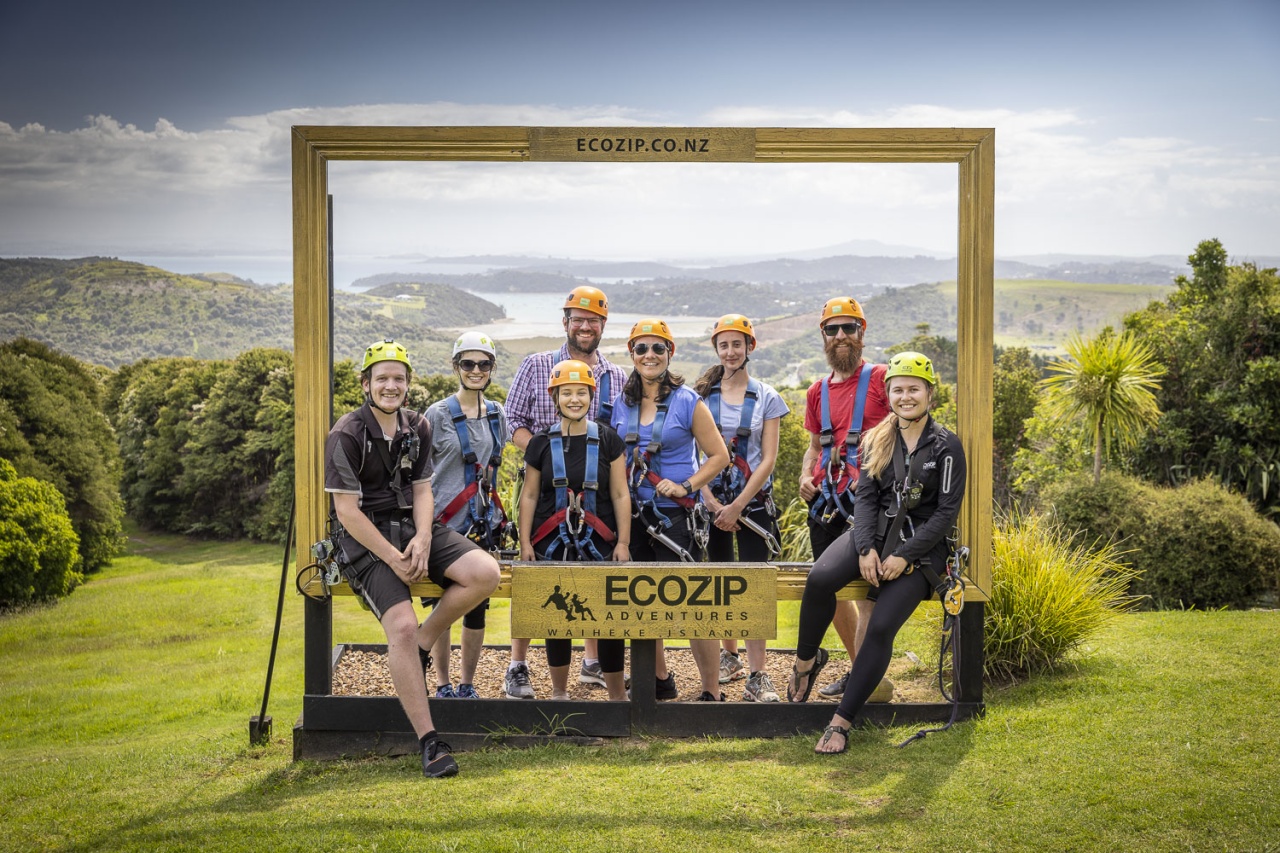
593,322
849,329
658,349
469,365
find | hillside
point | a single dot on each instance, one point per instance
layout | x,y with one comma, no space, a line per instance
112,312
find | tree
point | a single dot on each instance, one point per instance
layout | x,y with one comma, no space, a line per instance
39,549
1015,385
55,430
1110,385
1218,334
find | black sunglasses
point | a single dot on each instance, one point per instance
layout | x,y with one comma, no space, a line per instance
469,365
849,329
658,349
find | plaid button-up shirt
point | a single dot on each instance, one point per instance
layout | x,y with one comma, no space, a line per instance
530,407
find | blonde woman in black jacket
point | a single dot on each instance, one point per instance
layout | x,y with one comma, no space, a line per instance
908,499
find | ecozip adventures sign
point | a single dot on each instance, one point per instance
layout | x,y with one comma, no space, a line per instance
632,601
664,144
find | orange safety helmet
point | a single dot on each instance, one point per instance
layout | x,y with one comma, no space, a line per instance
842,306
735,323
652,326
571,372
588,298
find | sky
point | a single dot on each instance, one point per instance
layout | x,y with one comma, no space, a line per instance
148,129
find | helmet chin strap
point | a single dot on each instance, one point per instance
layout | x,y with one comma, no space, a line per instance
728,375
369,397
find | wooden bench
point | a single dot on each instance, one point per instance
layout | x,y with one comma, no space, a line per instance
332,726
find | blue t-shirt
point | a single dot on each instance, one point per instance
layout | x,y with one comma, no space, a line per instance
678,458
769,406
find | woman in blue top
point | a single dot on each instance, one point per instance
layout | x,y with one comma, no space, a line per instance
663,484
741,498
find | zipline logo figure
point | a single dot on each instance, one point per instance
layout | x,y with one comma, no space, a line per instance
557,598
580,607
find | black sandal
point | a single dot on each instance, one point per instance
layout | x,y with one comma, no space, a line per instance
819,661
830,730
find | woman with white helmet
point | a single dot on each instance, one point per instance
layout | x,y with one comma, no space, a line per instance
468,435
748,413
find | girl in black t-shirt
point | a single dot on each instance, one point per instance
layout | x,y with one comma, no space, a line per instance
550,528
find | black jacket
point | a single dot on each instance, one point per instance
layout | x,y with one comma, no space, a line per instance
943,474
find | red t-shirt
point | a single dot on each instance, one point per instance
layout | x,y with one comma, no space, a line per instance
840,399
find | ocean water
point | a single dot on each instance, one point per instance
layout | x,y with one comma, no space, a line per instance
529,315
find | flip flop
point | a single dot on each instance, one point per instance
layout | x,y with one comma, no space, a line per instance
830,730
819,661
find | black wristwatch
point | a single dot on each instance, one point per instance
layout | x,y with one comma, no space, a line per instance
688,487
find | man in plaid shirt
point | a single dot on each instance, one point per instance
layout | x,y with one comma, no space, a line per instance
530,410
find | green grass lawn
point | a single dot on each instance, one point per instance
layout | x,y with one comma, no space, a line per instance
126,713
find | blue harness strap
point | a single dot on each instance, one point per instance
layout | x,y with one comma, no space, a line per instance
604,411
730,482
479,494
835,497
575,538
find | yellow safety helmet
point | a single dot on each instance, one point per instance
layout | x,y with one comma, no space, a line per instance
911,364
387,350
588,298
735,323
571,372
655,327
842,306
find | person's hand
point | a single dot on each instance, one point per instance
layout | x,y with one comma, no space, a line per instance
526,553
418,553
668,489
622,553
807,489
869,566
727,517
892,567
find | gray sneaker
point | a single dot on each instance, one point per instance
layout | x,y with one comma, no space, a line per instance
836,688
591,674
760,688
731,668
516,685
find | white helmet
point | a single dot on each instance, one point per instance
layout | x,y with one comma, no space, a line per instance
469,341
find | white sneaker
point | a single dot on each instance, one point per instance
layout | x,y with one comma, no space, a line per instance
760,688
731,668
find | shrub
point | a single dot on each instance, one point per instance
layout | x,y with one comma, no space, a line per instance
39,549
793,532
1049,593
1204,546
1197,545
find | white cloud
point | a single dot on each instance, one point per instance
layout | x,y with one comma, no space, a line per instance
1061,186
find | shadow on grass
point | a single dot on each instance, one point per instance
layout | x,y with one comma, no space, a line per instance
650,787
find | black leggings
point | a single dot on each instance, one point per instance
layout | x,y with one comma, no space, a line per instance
832,572
751,546
898,600
613,654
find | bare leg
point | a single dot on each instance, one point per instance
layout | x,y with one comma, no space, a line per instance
846,623
615,683
472,645
731,646
755,654
660,665
559,681
706,653
475,576
519,649
590,649
440,659
401,626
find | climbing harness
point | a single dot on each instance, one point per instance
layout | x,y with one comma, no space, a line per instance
639,471
730,482
839,469
604,411
488,525
575,516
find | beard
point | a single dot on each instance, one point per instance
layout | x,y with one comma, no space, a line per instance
583,348
842,359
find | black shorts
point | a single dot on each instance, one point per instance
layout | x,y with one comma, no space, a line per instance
382,589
